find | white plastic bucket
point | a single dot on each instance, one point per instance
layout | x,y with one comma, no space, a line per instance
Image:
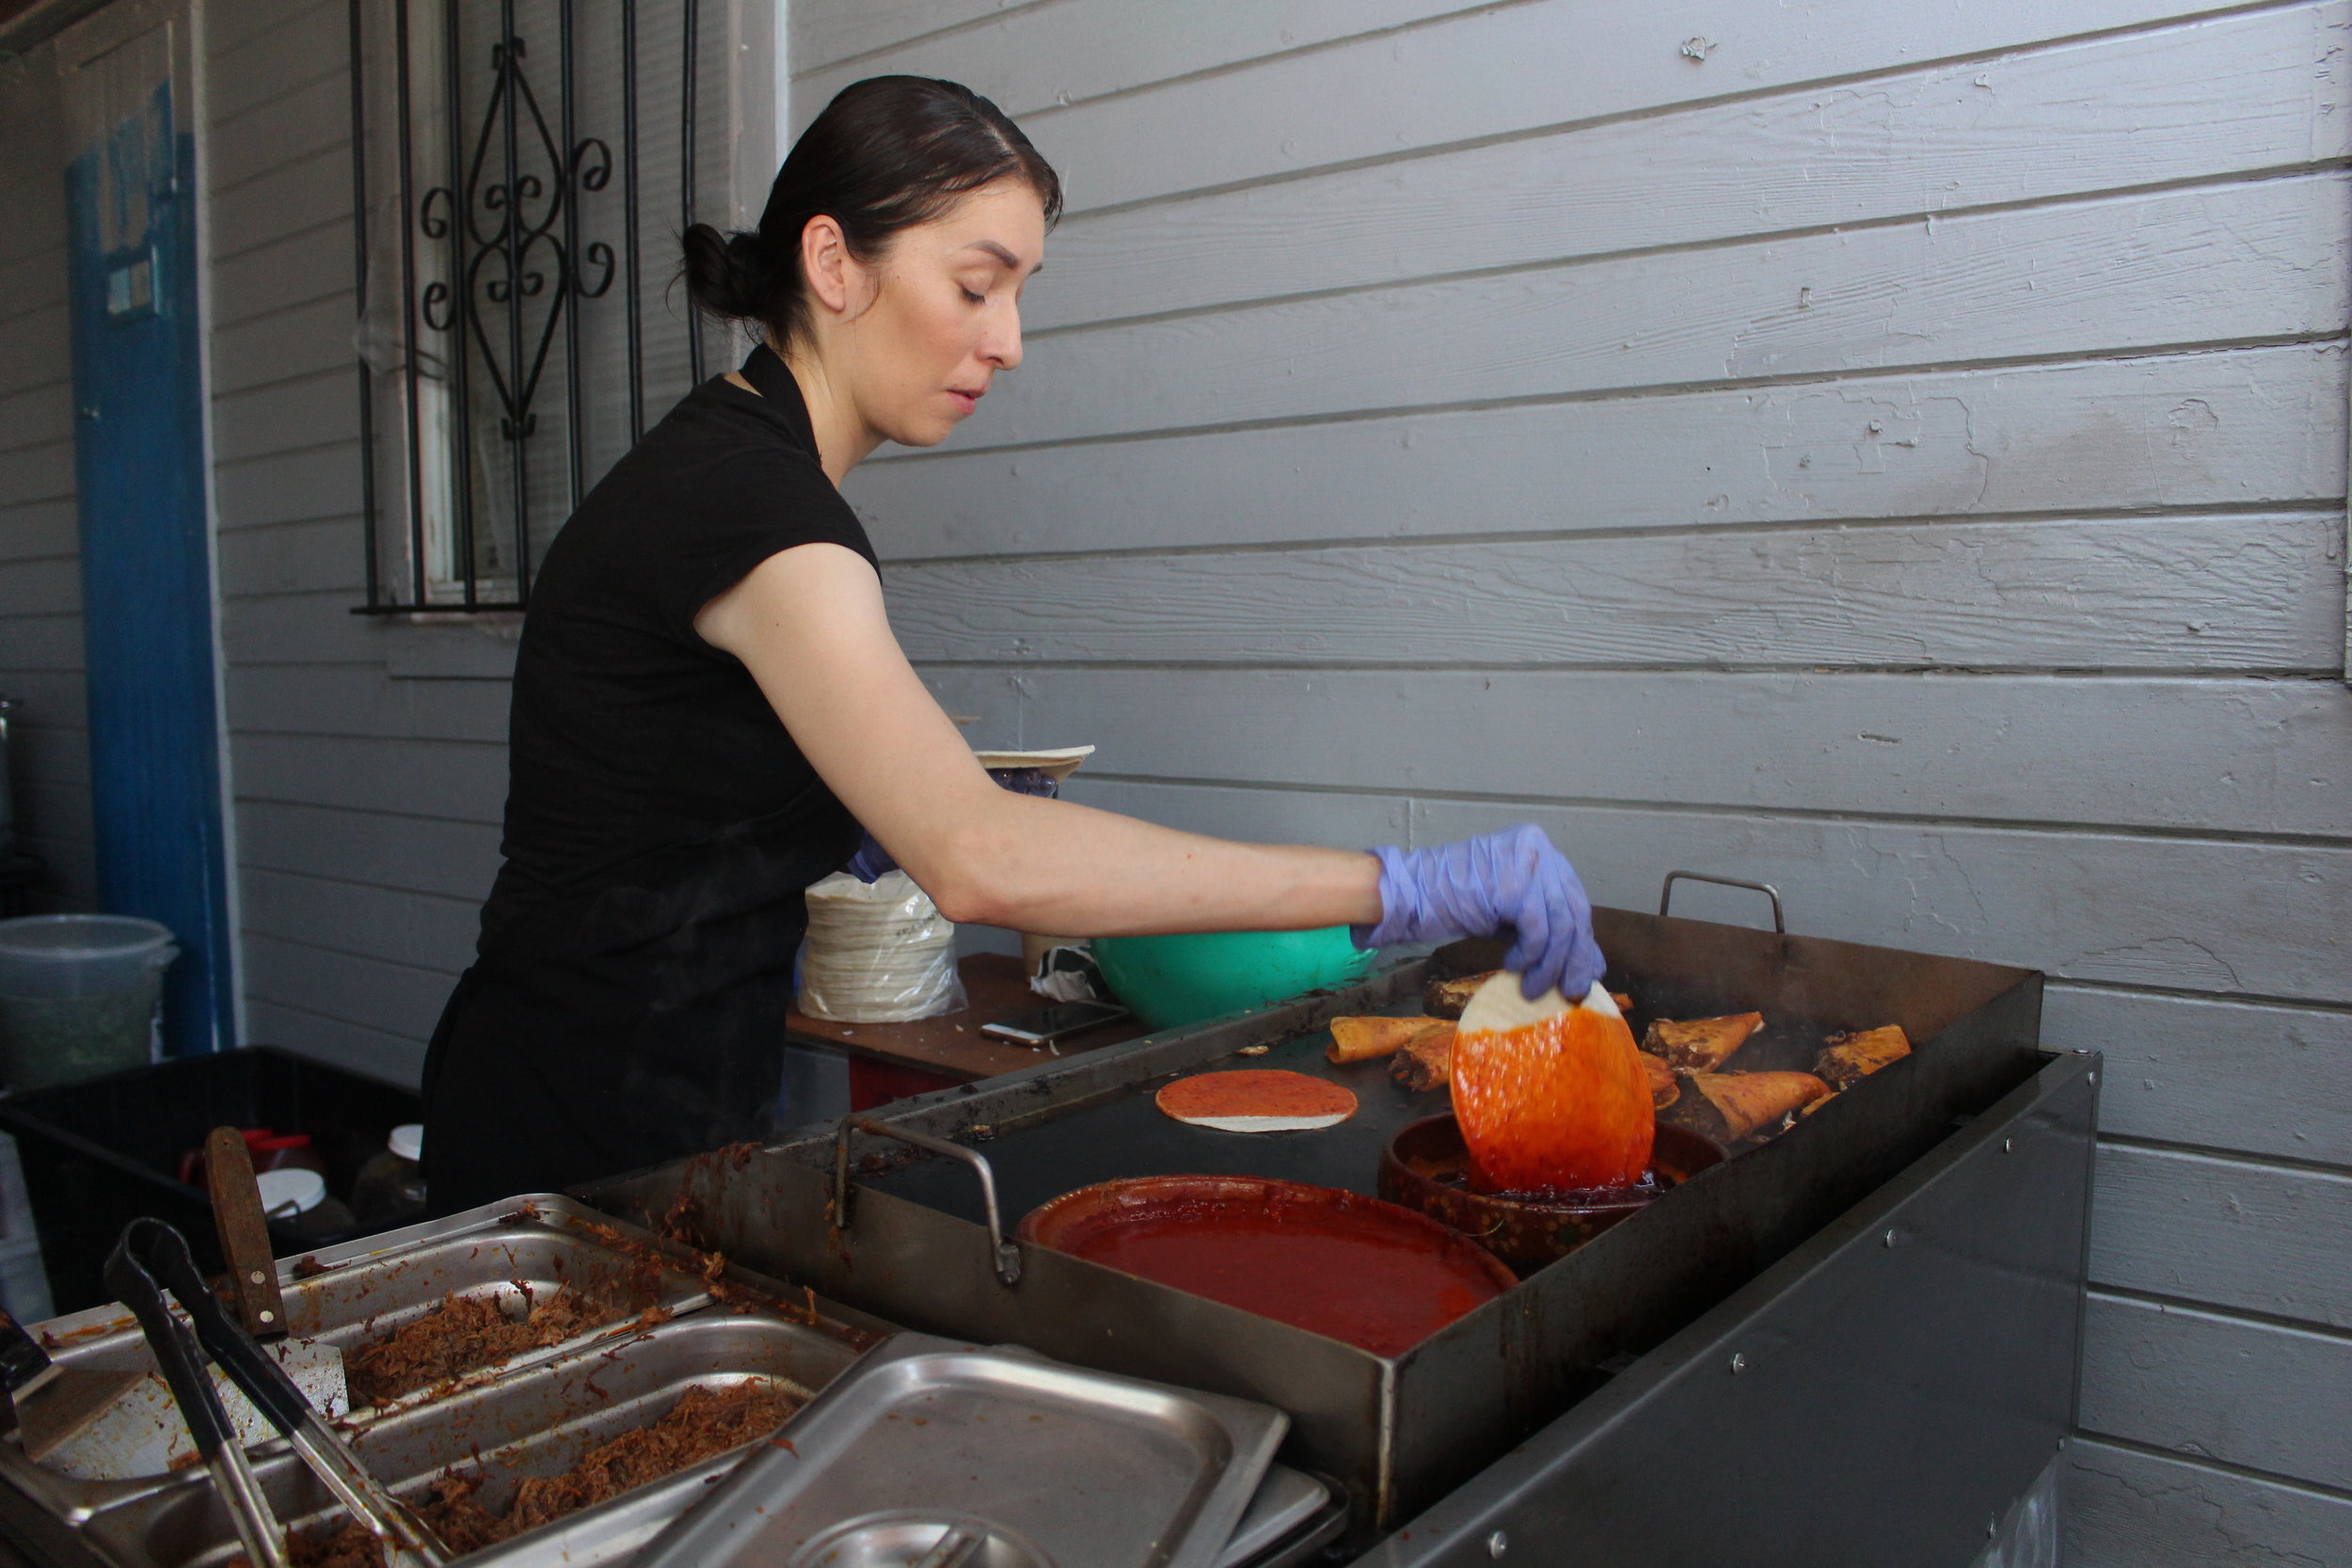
80,995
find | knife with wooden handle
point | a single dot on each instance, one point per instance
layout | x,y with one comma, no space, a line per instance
244,1241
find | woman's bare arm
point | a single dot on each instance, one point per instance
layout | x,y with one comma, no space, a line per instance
810,626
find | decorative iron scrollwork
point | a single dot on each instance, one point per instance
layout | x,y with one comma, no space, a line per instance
511,248
492,397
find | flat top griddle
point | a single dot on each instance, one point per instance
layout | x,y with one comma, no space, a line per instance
1396,1433
1126,1135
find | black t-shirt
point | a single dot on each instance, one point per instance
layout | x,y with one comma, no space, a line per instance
643,761
628,997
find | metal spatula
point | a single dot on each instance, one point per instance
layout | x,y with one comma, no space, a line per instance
52,1404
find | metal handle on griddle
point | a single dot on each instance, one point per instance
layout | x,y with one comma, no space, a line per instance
1666,894
1007,1256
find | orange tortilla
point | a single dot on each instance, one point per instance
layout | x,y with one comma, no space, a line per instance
1850,1058
1702,1044
1747,1101
1427,1062
1256,1100
1663,1089
1361,1039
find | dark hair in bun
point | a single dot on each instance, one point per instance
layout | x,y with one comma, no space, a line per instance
887,153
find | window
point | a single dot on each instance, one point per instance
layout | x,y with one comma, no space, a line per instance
524,167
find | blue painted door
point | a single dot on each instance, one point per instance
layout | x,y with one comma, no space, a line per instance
147,569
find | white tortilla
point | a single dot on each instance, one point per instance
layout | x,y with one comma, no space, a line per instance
1056,764
1267,1124
1497,1007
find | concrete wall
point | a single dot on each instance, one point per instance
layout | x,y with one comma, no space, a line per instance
1892,451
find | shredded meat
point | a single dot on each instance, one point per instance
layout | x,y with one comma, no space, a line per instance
344,1546
461,1522
461,1334
704,1423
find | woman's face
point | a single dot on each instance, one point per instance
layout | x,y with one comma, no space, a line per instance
942,315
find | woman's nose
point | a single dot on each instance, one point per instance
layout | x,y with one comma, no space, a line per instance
1001,347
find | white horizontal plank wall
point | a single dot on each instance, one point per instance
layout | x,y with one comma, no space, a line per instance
41,581
366,805
1895,451
369,755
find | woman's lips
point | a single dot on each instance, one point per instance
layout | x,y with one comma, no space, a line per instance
965,401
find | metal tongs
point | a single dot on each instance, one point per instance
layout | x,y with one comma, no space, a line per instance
153,1258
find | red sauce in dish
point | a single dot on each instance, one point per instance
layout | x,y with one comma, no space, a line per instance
1349,1272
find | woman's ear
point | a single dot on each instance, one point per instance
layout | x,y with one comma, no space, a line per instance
826,264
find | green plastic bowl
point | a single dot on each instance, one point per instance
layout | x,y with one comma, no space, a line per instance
1172,981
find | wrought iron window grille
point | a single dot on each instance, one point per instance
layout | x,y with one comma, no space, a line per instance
512,331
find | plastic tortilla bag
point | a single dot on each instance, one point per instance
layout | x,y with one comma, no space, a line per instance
879,952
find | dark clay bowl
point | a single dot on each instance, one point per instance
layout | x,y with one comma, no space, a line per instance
1425,1168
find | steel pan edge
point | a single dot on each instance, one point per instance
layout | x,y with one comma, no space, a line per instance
1605,1479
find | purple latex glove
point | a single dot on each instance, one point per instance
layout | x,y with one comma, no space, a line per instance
1477,887
872,863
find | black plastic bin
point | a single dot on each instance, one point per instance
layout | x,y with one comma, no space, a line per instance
101,1153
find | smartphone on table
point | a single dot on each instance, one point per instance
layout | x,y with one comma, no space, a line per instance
1059,1021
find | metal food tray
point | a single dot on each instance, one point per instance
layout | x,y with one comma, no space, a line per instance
1088,1467
344,1294
349,1294
535,1422
513,1253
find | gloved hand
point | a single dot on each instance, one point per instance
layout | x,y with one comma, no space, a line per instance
1476,887
871,863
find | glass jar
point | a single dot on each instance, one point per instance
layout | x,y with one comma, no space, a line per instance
391,1189
295,1199
284,1151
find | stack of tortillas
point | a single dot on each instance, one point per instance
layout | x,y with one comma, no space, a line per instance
1256,1100
879,952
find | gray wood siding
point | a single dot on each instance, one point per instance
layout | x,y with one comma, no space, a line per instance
1897,453
367,808
41,582
368,755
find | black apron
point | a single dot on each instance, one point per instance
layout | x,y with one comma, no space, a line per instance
627,1000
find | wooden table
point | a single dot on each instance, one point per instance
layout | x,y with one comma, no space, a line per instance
890,1061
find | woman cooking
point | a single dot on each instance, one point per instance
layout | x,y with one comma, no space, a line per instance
709,706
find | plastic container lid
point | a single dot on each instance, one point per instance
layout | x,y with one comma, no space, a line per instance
60,956
407,1140
299,1190
79,938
